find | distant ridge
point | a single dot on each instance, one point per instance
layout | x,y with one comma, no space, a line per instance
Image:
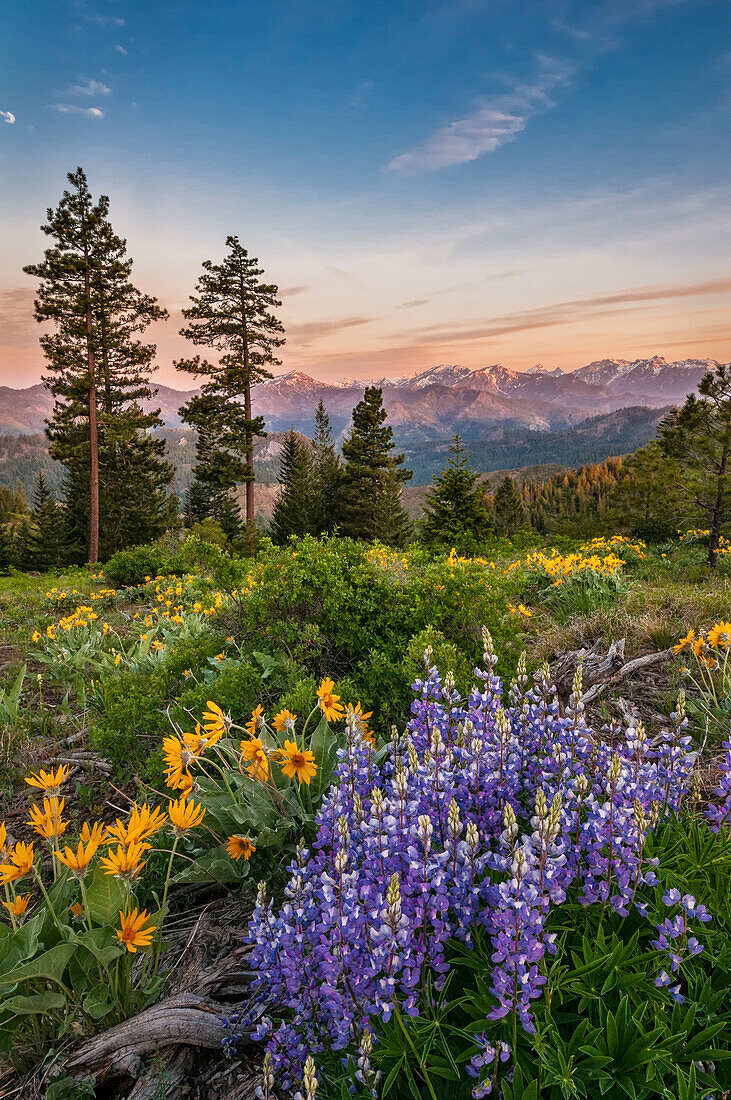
433,403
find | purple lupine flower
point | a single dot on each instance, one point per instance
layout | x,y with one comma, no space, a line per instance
436,839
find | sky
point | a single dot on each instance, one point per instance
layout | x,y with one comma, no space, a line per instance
427,181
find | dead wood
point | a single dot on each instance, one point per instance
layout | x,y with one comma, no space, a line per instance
184,1019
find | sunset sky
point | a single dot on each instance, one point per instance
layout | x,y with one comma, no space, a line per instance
427,181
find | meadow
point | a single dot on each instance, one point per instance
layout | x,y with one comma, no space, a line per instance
463,819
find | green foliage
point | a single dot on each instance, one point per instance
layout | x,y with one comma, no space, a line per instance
603,1028
232,311
508,512
131,707
454,511
100,374
295,605
130,567
370,504
294,507
698,437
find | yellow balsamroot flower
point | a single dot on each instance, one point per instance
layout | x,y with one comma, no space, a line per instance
76,910
142,823
254,755
297,762
719,636
36,637
255,722
184,815
215,722
179,753
20,863
125,862
18,905
50,781
3,839
48,822
281,719
698,646
240,846
96,833
78,861
131,932
682,643
329,702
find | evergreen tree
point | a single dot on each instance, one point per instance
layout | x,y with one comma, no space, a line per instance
292,513
698,436
397,528
508,507
327,473
371,480
232,312
648,499
45,540
454,510
100,373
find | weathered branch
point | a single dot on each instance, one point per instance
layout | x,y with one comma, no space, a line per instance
184,1019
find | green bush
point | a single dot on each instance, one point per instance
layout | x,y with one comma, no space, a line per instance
347,610
130,567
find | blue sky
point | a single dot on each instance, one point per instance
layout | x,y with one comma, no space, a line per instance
463,181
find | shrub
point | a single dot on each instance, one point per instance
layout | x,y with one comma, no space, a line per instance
127,568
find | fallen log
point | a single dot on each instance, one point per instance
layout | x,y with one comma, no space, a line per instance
183,1019
627,670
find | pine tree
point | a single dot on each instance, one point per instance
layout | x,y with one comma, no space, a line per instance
371,502
454,510
65,298
292,513
508,507
327,474
100,373
44,546
648,499
232,312
698,436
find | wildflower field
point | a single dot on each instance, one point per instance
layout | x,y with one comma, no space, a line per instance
464,821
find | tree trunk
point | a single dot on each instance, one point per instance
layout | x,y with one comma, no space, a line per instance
249,435
93,438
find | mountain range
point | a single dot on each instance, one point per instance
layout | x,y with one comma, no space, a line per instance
431,405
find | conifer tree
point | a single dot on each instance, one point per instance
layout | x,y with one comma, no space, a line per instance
232,312
44,544
454,511
698,436
292,513
508,507
327,475
648,499
100,374
371,503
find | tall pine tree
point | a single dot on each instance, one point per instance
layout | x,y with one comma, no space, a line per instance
117,479
454,511
327,474
232,311
371,505
293,509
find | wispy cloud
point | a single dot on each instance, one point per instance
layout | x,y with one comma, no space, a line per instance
7,116
291,291
91,88
494,122
565,313
315,330
121,49
72,109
